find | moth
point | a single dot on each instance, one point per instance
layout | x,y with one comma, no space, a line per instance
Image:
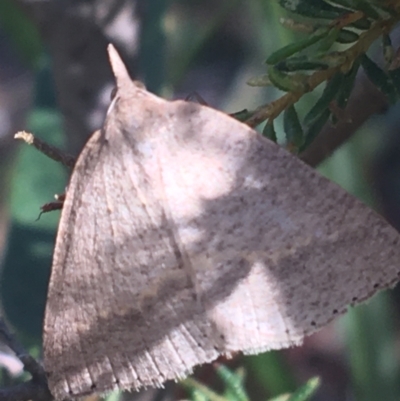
186,235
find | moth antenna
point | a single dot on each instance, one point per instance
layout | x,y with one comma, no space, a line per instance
119,69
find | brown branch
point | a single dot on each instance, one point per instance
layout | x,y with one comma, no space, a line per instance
365,101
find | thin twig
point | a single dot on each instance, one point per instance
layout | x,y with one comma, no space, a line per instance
30,364
50,151
35,389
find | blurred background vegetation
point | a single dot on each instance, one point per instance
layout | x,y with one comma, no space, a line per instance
55,82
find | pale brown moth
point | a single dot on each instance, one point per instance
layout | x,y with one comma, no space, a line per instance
186,235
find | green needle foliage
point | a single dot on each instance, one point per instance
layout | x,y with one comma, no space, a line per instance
338,36
234,389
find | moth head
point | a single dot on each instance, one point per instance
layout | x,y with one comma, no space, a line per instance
125,89
130,104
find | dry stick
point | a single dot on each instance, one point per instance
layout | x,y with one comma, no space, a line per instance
36,389
50,151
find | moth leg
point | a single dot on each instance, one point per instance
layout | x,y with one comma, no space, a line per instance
51,206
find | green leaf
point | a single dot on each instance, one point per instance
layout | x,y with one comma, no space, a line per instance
301,63
327,42
269,131
366,8
198,395
374,11
281,397
293,129
314,129
362,24
298,46
346,36
347,85
233,383
306,391
312,8
201,390
114,396
302,394
331,90
345,3
379,78
288,83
